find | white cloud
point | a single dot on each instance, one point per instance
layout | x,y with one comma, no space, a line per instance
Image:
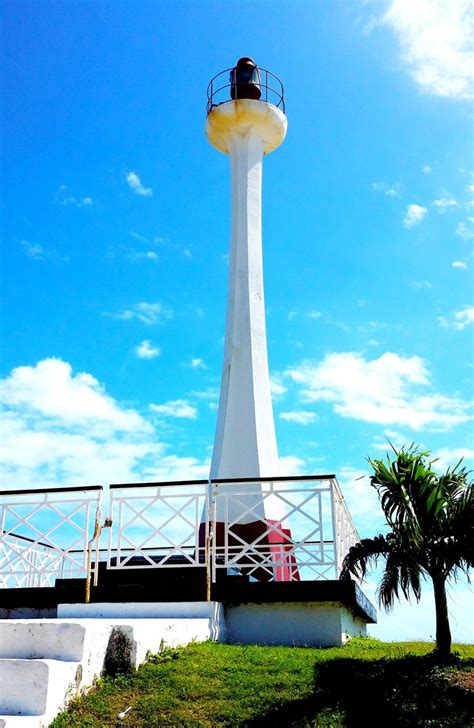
179,408
361,499
383,390
292,465
458,264
135,184
448,458
33,250
197,363
389,190
63,197
436,40
314,314
470,188
397,439
146,350
427,169
444,203
277,387
462,318
62,428
136,236
208,393
51,390
145,312
465,229
143,255
420,284
300,417
414,215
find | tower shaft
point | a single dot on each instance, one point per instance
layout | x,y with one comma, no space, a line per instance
245,442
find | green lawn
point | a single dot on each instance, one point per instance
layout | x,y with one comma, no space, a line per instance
365,683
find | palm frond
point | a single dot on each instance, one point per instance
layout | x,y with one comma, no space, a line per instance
363,555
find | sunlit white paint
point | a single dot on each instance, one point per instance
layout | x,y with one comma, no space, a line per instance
323,624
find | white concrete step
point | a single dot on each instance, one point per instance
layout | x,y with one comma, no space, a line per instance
36,687
24,721
42,639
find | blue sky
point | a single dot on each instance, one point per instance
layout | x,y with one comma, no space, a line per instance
115,228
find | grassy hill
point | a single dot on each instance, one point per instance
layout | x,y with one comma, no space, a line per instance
365,683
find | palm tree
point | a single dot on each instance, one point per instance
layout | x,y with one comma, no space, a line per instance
431,521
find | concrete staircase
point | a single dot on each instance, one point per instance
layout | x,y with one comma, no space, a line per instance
43,664
46,662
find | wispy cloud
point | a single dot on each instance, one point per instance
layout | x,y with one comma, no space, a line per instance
461,319
210,393
387,390
426,169
300,417
33,250
448,458
178,408
277,387
465,229
444,203
146,313
458,264
135,184
39,252
397,439
197,363
314,314
391,190
146,350
63,197
414,215
419,285
436,41
136,236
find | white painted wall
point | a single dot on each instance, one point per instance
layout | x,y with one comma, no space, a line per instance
323,624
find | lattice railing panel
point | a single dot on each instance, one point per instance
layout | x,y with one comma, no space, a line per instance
44,535
157,527
296,545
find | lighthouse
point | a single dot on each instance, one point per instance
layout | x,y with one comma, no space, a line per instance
246,128
247,125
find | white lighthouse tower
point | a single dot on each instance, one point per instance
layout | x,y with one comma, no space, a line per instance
247,127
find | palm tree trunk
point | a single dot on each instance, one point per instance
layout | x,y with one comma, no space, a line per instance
443,632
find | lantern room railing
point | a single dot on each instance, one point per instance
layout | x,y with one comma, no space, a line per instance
219,89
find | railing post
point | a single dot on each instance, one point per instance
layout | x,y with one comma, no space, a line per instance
95,537
208,540
334,531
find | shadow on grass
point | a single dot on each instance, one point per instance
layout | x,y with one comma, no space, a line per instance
405,692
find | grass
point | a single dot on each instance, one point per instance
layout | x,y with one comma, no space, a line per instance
208,685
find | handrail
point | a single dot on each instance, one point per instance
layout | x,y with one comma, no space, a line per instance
32,540
219,481
31,491
263,84
165,484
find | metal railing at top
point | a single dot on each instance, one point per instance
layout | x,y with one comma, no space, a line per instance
219,89
280,529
